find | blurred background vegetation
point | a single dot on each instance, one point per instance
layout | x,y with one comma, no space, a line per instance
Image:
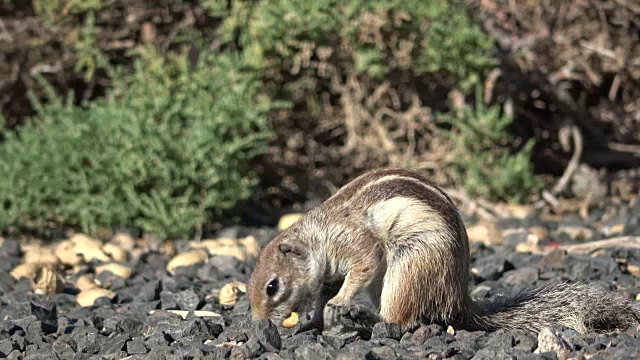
177,117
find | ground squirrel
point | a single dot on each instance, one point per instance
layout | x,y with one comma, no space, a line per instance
395,236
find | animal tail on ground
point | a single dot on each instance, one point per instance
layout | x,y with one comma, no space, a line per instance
579,306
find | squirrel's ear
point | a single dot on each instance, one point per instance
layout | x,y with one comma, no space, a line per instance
292,250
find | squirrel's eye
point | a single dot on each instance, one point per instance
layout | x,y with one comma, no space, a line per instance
272,287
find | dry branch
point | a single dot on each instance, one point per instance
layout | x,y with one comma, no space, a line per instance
625,242
575,159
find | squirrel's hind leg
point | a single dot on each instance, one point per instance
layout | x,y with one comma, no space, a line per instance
398,304
418,288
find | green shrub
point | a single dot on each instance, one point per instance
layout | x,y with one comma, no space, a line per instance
167,147
90,57
482,158
365,76
52,10
370,37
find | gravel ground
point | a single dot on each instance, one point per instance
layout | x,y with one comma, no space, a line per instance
126,304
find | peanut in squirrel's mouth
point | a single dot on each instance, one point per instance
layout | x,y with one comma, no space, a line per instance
291,320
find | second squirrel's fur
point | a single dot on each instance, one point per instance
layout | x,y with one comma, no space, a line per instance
396,237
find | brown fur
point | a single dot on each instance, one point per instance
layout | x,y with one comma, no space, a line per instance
395,236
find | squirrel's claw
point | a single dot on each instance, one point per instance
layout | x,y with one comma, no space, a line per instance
350,317
316,322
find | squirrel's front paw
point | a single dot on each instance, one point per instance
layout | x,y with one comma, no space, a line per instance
350,316
334,315
316,322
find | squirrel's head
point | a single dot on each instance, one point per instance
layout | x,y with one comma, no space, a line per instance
281,281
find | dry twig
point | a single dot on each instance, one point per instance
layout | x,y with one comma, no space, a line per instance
4,34
625,242
473,207
575,159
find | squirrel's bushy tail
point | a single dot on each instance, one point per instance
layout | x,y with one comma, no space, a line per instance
582,307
